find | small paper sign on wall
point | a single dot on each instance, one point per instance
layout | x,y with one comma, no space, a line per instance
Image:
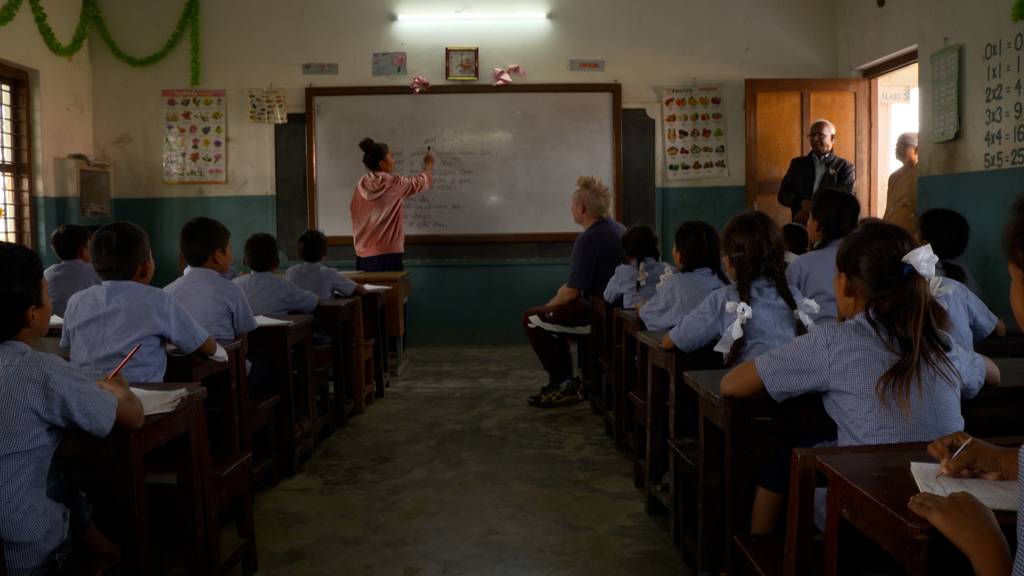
195,136
693,133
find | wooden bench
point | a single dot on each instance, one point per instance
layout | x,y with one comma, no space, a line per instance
602,389
336,318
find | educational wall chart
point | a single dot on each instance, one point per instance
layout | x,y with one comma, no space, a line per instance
389,63
946,93
195,136
1003,59
266,106
693,121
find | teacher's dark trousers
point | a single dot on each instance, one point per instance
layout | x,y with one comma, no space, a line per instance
552,347
382,263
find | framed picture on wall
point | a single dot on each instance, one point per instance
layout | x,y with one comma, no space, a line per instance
462,63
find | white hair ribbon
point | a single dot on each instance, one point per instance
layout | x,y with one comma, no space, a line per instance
923,260
803,311
641,275
665,275
734,332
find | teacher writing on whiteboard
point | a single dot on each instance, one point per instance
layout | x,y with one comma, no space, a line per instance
377,207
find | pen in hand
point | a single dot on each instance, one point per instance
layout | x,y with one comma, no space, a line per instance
113,374
957,453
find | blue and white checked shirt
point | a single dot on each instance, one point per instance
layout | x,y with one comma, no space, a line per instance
103,323
969,318
40,394
268,293
814,274
843,362
67,278
772,325
623,283
321,280
218,304
677,297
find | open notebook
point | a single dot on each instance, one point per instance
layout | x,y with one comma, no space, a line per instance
997,495
262,320
56,321
159,401
376,288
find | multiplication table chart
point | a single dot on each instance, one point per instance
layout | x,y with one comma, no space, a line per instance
1003,59
946,93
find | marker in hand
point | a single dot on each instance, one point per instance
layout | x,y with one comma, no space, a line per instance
113,374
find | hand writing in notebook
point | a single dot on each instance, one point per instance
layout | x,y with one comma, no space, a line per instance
962,518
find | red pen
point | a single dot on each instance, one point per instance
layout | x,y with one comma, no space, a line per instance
116,371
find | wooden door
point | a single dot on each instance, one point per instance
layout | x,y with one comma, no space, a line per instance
779,117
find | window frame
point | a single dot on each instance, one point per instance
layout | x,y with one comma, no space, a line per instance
23,219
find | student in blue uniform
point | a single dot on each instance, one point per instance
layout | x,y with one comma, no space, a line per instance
698,256
104,322
40,396
218,304
312,275
761,311
948,232
635,281
970,320
834,214
887,372
961,518
74,272
269,293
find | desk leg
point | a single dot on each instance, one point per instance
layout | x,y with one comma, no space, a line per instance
344,381
138,553
286,418
193,456
709,493
832,523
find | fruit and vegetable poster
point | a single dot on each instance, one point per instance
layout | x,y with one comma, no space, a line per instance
195,136
693,121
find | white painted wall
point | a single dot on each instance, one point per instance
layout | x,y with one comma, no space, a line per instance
61,89
867,33
262,43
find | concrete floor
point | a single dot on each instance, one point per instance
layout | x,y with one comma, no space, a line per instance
452,473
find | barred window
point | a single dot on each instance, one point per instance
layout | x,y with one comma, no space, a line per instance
15,158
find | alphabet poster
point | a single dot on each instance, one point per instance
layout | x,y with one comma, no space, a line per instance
195,136
693,124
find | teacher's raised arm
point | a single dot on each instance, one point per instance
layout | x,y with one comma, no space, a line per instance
377,207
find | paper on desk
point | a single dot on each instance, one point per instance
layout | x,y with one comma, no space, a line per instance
376,288
159,401
221,355
536,322
56,320
268,321
997,495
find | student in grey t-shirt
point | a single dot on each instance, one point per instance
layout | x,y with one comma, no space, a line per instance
595,254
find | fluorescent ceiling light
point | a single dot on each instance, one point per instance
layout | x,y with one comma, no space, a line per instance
472,16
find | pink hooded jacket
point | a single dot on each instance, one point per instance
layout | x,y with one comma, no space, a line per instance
377,223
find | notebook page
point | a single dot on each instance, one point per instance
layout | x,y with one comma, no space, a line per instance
997,495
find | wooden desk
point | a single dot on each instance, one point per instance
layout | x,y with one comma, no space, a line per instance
121,458
373,326
51,345
396,300
602,392
289,349
661,373
996,411
335,318
870,491
629,384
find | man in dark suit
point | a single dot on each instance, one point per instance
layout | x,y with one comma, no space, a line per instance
819,169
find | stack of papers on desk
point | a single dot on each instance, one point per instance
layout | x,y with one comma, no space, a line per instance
159,401
997,495
56,321
268,321
376,288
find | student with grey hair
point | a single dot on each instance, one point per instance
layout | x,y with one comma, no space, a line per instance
819,169
901,202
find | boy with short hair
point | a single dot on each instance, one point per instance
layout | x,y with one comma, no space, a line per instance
313,275
40,394
104,322
74,272
267,292
218,304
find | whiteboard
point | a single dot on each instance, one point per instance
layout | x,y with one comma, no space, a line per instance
506,162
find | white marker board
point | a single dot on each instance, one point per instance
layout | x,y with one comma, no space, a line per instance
507,157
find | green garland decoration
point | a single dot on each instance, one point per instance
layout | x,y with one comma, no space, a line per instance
1018,11
91,16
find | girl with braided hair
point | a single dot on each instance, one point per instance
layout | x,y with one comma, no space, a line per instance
760,311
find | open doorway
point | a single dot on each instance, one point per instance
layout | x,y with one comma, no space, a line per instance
895,104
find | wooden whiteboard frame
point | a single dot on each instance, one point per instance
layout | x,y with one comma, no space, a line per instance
616,188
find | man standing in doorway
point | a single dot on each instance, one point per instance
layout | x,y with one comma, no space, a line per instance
901,201
595,254
819,169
